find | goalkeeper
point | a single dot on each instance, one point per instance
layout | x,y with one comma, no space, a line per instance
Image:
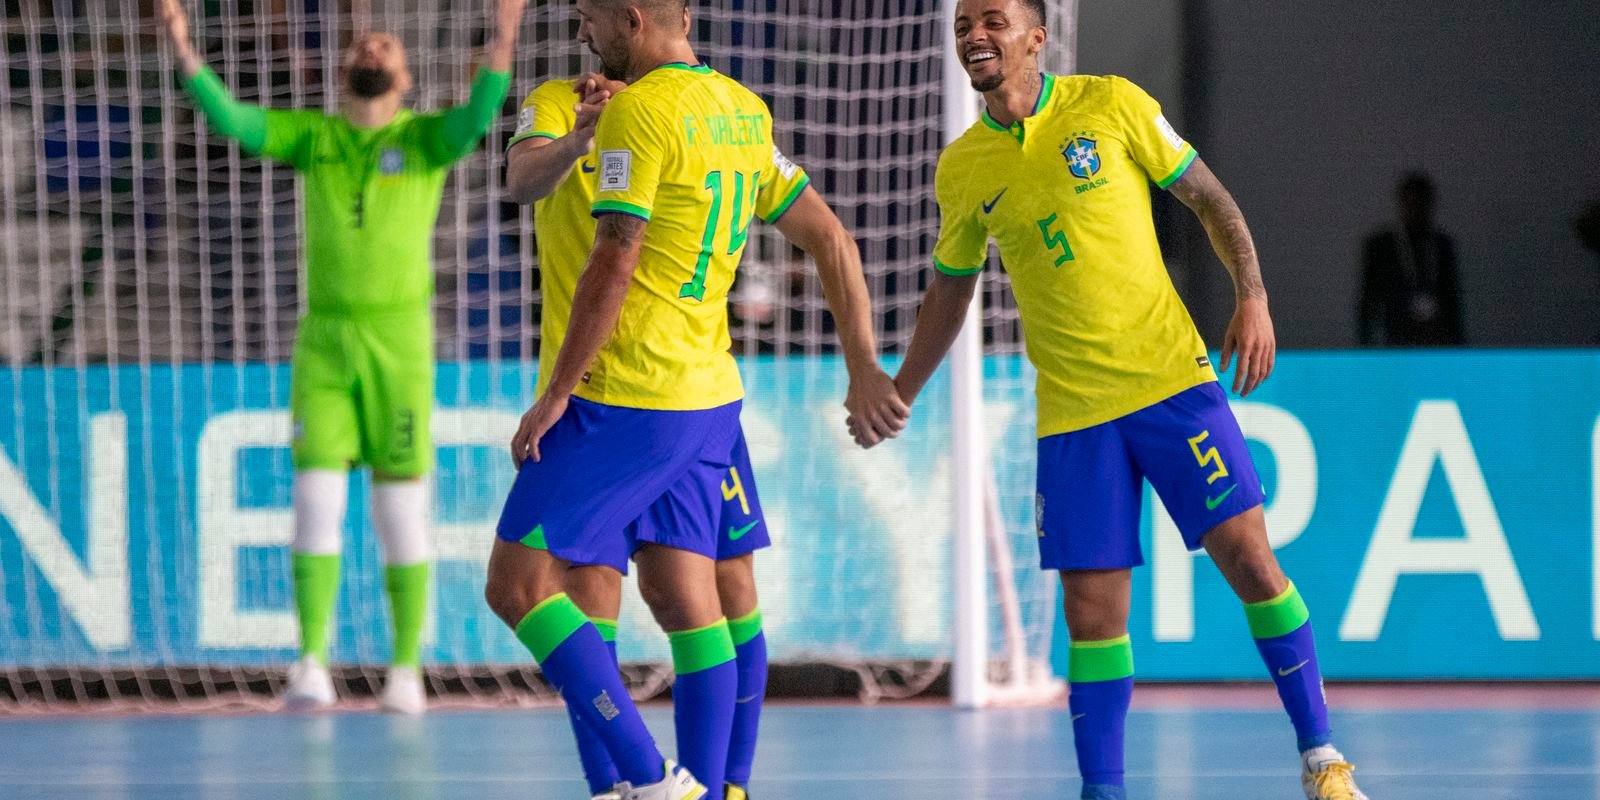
362,380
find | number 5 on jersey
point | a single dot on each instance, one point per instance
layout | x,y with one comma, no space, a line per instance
738,227
1054,238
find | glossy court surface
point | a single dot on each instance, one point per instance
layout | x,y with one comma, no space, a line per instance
1192,743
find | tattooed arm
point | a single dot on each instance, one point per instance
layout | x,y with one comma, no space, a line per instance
1250,334
601,291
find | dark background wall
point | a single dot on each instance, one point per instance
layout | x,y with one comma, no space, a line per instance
1309,112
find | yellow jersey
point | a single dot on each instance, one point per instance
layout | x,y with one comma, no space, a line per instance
562,226
1065,195
689,151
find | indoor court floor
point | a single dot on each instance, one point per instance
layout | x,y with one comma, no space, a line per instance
1184,743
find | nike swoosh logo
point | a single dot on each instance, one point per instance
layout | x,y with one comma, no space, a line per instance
1284,673
989,206
1076,717
743,700
1213,502
735,534
586,166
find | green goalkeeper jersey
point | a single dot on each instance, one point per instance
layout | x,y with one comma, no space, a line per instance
371,194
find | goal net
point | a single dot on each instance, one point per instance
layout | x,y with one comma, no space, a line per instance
150,284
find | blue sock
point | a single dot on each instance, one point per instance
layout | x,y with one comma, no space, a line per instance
598,769
1101,674
1282,630
703,700
577,662
750,651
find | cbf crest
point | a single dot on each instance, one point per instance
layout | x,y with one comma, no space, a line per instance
392,161
1083,157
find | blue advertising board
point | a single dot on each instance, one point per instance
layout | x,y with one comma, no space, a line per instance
1436,509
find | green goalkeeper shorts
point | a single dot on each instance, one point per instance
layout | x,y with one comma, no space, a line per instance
361,391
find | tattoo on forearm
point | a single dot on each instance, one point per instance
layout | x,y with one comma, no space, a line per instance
1231,239
1225,225
619,228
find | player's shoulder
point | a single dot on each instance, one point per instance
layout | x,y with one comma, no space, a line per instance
1096,94
968,150
550,89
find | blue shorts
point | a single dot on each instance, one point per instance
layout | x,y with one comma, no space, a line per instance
1091,481
612,478
738,527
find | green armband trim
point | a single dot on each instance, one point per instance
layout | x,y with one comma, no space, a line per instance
794,194
1181,169
523,137
1281,615
959,272
1104,660
619,207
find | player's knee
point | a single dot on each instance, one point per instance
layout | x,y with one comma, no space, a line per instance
509,600
597,590
736,586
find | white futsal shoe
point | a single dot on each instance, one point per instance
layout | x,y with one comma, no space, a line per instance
403,692
310,686
678,785
1325,775
607,796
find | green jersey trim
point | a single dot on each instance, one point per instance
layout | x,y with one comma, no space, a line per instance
1045,90
619,207
700,68
1047,87
958,272
523,137
1182,168
783,208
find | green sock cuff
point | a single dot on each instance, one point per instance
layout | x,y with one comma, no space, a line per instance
1281,615
316,585
407,586
1103,660
548,624
701,648
745,628
400,577
606,627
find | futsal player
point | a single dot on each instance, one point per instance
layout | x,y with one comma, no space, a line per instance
551,162
361,386
1057,173
628,446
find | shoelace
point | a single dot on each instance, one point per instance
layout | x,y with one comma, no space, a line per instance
1334,781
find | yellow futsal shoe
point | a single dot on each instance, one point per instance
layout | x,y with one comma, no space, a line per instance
731,792
1325,775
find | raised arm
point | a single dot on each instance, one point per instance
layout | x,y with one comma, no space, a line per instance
537,164
873,402
1250,333
246,124
460,127
601,290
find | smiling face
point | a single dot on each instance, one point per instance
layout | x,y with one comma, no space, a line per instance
997,40
375,65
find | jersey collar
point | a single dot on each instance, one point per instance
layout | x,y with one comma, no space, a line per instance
1047,86
702,68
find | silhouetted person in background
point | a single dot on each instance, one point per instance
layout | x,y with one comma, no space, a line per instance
1587,226
1410,289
